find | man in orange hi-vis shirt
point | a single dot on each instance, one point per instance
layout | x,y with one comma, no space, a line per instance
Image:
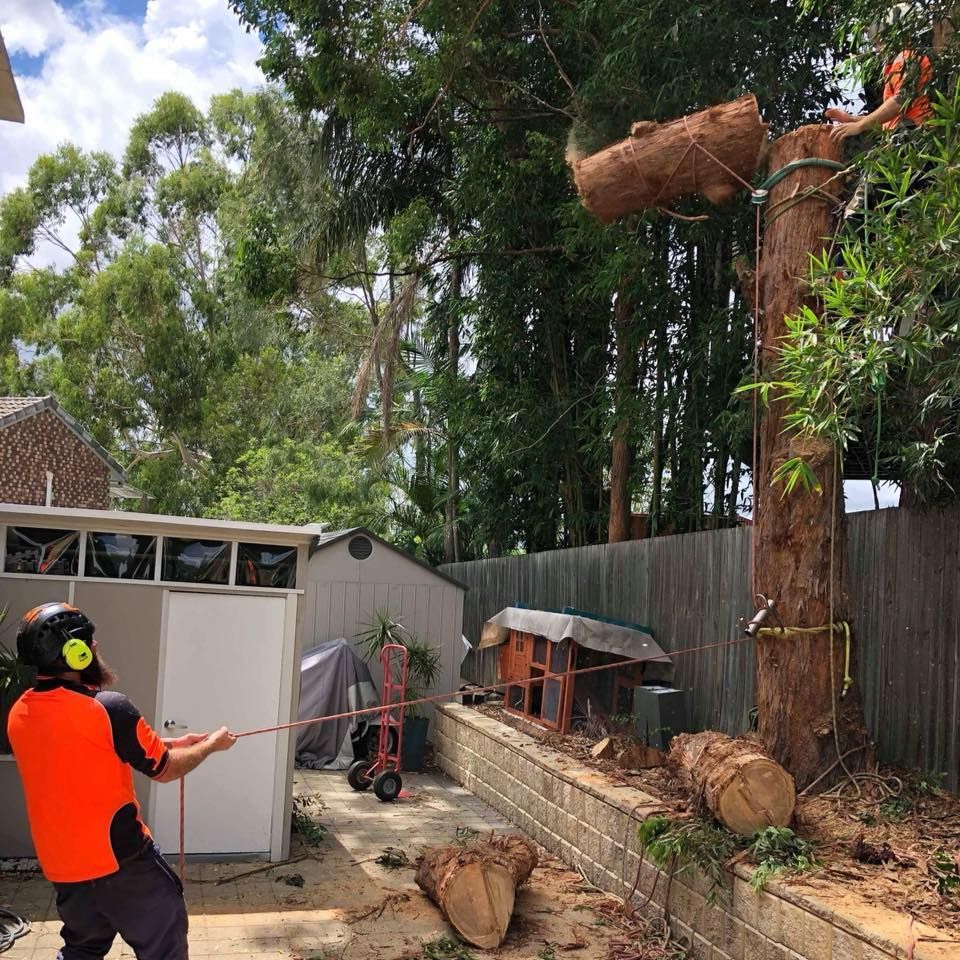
901,108
76,746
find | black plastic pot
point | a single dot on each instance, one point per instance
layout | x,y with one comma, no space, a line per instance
414,743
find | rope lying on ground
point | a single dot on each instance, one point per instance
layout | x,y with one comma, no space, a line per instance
12,927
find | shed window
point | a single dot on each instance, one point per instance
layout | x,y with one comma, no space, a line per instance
196,561
121,556
43,551
260,565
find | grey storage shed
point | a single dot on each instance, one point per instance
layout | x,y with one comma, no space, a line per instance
352,574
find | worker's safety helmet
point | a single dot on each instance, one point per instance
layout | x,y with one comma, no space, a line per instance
55,636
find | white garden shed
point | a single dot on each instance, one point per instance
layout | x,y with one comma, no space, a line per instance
204,621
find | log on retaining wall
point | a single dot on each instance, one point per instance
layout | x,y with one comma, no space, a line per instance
576,814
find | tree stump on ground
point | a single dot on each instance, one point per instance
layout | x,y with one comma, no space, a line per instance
658,162
743,787
475,886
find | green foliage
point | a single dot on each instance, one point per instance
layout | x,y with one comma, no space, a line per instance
423,661
708,847
215,377
945,870
303,822
778,850
690,844
446,948
878,369
443,139
296,483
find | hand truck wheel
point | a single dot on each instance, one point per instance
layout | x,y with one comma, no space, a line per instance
387,785
358,776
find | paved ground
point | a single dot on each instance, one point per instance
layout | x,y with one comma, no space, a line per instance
349,907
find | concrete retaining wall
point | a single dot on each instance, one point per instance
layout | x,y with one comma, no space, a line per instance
591,824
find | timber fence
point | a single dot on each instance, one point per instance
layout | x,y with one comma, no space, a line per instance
904,585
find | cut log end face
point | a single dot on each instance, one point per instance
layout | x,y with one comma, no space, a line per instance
744,788
475,886
759,794
478,901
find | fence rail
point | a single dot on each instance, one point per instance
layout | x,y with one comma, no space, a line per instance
693,589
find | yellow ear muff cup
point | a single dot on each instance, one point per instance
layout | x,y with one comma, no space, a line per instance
77,654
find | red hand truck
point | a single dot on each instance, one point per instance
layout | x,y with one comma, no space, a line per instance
384,772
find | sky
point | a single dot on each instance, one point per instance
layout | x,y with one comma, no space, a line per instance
86,68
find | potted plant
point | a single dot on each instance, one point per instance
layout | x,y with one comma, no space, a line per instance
423,668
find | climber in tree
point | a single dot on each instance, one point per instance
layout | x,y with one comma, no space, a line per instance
906,77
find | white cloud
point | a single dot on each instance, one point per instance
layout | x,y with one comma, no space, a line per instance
33,26
100,71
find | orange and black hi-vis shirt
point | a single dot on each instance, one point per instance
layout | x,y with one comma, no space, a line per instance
76,750
918,109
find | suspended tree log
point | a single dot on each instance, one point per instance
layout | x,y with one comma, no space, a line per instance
795,534
658,163
475,886
744,788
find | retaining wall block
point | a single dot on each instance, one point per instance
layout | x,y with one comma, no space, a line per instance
745,902
769,917
844,946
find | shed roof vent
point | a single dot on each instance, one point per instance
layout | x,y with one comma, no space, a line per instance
360,548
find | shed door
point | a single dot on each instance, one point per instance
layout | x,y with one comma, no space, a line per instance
222,667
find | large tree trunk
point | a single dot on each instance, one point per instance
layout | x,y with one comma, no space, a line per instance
796,534
744,788
475,886
658,163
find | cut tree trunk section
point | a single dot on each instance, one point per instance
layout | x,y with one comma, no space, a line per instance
744,788
658,162
475,886
796,534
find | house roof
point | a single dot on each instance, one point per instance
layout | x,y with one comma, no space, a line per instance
15,409
330,537
10,106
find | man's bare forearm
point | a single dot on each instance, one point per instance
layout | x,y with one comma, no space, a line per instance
181,760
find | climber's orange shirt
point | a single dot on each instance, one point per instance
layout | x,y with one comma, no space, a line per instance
918,109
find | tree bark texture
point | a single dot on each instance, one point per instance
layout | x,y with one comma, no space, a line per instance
475,885
744,788
658,162
795,533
